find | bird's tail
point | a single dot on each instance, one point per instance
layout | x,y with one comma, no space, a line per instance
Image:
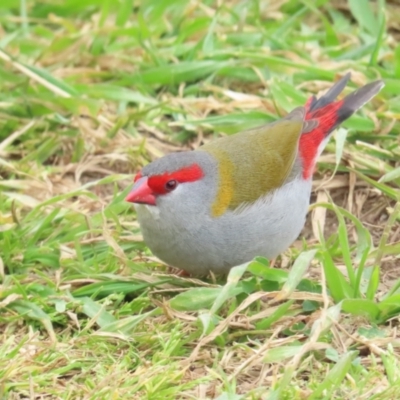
329,114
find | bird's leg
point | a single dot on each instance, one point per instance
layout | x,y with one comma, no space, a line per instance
178,272
182,273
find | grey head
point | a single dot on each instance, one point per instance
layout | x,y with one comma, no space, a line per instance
188,197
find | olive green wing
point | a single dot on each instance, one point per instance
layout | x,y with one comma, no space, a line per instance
255,162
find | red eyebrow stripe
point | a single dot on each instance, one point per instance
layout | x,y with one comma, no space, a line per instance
192,173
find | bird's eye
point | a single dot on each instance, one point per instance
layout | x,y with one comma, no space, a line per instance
171,185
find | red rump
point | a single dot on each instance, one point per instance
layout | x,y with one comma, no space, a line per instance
327,118
158,183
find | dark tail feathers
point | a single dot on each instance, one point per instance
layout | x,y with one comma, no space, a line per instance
346,107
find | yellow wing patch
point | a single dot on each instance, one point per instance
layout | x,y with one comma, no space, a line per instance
225,185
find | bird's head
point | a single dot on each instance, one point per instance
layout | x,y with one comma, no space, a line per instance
178,178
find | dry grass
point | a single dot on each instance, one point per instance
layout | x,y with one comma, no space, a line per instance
91,91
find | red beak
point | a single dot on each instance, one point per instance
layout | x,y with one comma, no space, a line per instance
141,193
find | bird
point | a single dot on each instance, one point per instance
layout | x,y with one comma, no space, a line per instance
243,195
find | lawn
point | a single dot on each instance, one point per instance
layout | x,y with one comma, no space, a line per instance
92,90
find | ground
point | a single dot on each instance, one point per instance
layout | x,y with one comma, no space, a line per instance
91,90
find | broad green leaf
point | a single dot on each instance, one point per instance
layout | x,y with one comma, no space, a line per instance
43,255
392,193
208,42
174,74
364,307
340,137
371,332
363,246
334,377
127,325
297,272
345,247
31,310
195,299
380,37
390,176
373,283
327,319
208,322
96,310
338,286
280,312
391,364
397,61
114,92
106,288
63,87
267,273
390,303
281,353
362,12
230,289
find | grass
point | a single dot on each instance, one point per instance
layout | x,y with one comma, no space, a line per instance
93,89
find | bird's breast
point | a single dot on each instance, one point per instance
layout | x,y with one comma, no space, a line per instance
147,211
